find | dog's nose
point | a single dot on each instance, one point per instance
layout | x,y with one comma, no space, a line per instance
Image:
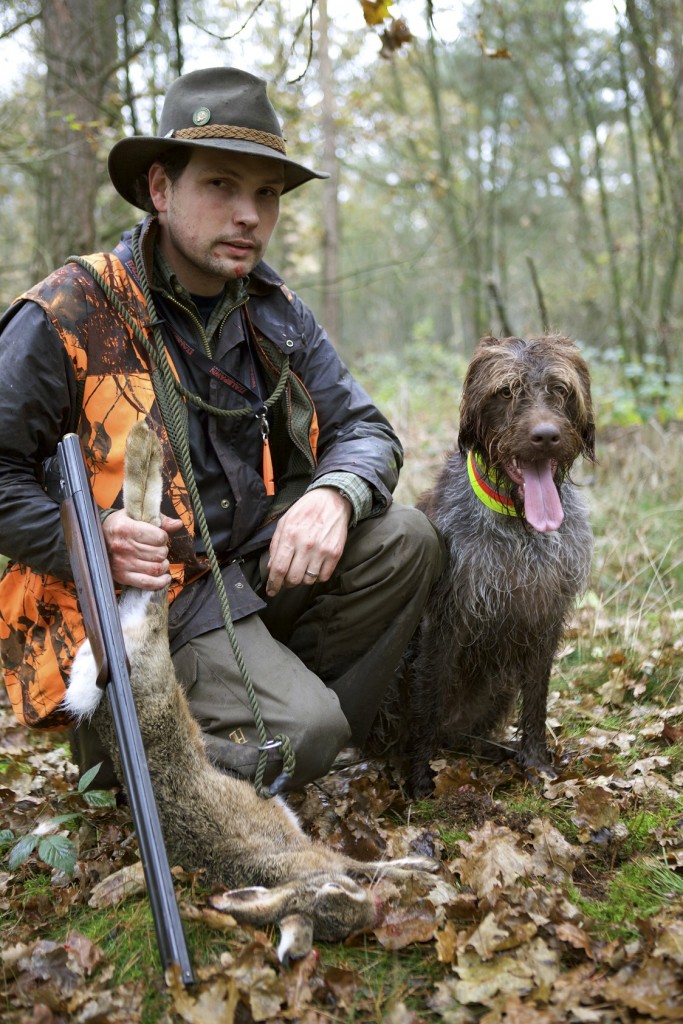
545,436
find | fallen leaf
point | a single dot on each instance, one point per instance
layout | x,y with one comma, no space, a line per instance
404,925
215,1003
490,937
595,808
343,984
446,943
534,967
118,886
554,857
655,988
492,860
670,942
575,936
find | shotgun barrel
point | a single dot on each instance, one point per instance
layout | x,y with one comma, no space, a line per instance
95,588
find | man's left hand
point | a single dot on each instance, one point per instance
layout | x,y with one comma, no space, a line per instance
309,540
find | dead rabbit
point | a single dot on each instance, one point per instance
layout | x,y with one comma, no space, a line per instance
212,820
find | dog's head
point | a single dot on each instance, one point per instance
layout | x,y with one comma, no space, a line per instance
526,412
509,378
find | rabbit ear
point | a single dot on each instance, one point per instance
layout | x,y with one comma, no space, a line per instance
142,480
254,905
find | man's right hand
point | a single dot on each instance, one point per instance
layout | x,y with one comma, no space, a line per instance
138,552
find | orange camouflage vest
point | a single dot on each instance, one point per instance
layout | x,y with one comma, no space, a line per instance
40,621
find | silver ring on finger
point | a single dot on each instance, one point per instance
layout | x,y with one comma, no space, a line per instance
312,575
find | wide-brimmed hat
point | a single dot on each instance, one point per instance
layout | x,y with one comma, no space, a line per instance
220,108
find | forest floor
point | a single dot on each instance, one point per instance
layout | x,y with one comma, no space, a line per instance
557,901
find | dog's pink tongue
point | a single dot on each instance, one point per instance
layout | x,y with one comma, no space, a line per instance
542,506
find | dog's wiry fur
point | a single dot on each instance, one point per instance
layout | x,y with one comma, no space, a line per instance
496,617
211,820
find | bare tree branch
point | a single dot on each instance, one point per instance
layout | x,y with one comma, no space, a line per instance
231,35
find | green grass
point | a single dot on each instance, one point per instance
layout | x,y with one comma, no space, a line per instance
636,891
385,978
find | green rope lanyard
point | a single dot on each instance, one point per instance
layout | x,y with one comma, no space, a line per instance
170,393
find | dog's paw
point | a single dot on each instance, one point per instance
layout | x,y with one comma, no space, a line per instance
537,763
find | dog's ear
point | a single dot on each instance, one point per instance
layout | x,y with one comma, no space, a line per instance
466,437
582,384
470,426
588,437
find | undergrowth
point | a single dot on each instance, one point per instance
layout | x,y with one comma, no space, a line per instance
615,718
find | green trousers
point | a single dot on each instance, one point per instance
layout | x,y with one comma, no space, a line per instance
320,657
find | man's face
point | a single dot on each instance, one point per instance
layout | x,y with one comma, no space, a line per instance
217,218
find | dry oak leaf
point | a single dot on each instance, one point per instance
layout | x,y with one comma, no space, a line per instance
653,787
595,808
514,1011
492,935
260,987
554,857
376,11
122,1005
446,943
655,988
404,925
297,982
405,840
215,1003
127,881
670,942
672,733
575,936
532,968
61,965
577,986
492,860
443,1002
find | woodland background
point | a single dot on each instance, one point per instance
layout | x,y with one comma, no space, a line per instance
495,166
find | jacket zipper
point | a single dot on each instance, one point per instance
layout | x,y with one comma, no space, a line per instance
200,326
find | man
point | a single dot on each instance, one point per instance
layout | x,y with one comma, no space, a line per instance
278,469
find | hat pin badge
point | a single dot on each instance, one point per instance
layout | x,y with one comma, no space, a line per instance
202,115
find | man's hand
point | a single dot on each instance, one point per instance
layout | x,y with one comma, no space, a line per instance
138,552
309,540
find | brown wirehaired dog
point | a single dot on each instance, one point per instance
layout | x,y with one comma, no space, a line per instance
520,547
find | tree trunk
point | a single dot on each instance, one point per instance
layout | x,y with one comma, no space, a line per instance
80,45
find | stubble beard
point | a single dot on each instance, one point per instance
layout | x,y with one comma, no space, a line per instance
206,265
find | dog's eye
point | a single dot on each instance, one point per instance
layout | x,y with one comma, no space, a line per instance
560,390
505,391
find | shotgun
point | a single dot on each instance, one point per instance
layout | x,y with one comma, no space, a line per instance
95,588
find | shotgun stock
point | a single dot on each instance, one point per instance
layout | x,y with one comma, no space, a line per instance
95,587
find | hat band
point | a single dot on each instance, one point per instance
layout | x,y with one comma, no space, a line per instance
230,131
